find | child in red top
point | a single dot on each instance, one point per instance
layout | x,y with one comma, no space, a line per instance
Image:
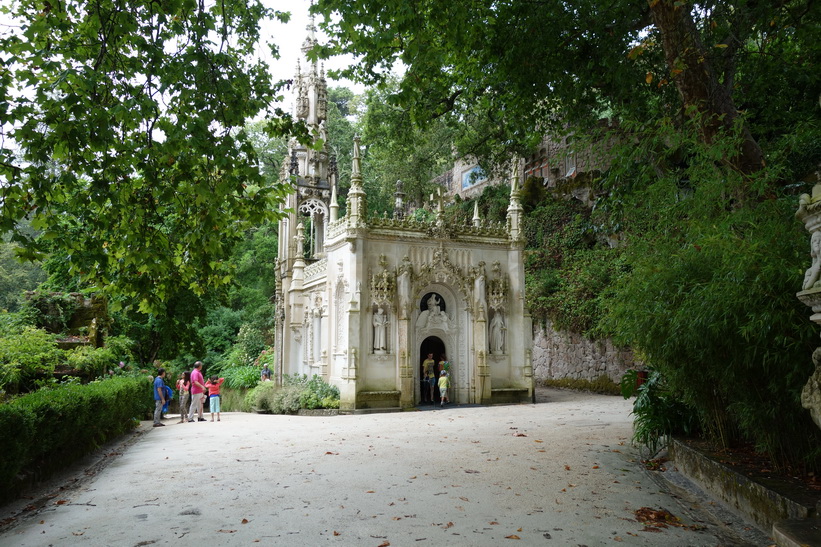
213,386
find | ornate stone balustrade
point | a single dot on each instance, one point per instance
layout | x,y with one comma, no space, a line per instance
316,269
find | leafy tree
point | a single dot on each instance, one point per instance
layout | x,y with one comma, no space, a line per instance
510,70
397,149
16,276
123,139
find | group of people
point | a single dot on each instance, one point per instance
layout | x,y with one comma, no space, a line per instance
435,376
193,388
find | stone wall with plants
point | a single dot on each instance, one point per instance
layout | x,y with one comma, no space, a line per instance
561,354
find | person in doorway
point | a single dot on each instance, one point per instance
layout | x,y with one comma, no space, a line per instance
429,375
213,385
184,389
197,389
159,397
444,384
444,365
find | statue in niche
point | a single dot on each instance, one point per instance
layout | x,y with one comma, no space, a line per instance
814,271
434,315
380,324
433,305
497,334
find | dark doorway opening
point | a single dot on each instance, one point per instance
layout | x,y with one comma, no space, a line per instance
434,345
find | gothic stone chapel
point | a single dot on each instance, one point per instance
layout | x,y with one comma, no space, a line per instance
361,301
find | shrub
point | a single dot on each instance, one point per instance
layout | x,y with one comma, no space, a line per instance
48,428
658,411
25,355
239,377
297,392
91,362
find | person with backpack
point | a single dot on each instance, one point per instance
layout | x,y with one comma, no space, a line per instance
159,397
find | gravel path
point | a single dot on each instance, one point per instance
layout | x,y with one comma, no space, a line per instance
560,472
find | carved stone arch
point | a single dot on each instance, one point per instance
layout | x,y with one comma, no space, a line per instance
443,272
312,206
317,211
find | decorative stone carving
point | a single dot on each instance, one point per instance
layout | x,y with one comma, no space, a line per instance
811,394
382,285
403,284
809,212
479,286
433,316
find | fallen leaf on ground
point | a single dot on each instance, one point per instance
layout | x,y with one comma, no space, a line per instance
336,533
385,544
512,536
493,523
567,468
245,521
60,502
519,435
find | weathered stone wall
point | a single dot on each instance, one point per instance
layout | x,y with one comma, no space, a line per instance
562,354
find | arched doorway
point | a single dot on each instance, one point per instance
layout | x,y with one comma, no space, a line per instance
434,345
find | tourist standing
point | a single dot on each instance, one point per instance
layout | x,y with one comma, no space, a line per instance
197,389
213,384
159,397
184,388
429,379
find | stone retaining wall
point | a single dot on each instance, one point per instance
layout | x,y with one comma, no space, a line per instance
562,354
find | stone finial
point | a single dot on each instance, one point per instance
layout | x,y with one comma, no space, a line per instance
476,220
356,164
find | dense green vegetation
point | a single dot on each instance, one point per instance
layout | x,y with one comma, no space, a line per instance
691,254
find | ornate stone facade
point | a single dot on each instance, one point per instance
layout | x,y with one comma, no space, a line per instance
363,300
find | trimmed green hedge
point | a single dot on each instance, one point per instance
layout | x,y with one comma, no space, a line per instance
49,428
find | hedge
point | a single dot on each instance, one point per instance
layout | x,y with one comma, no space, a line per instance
52,427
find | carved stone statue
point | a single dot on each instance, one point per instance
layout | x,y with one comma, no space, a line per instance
380,323
814,271
434,316
497,334
811,394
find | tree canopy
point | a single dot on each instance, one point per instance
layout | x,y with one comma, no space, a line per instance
123,138
513,69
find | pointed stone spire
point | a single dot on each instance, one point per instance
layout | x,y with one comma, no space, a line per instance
476,220
514,210
332,179
356,165
334,205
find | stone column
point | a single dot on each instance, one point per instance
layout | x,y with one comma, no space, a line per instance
809,212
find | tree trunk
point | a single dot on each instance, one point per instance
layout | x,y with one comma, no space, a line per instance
700,91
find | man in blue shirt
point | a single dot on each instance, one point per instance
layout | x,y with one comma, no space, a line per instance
159,397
